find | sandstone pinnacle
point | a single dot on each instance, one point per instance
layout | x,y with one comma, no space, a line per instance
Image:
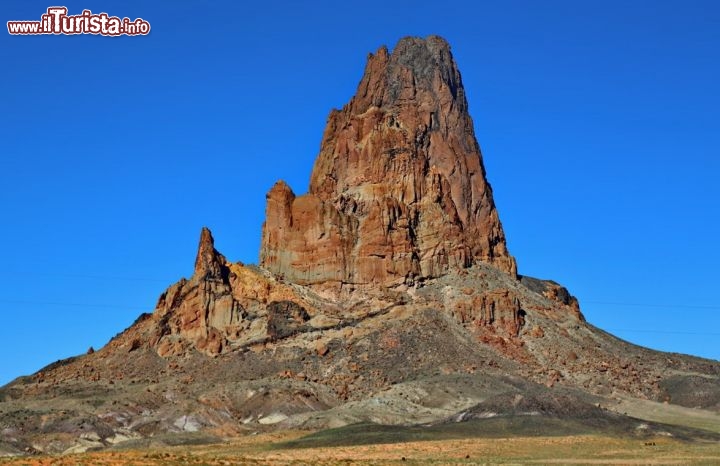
208,263
398,192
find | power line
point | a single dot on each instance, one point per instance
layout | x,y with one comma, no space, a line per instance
55,303
144,309
161,280
679,306
670,332
105,277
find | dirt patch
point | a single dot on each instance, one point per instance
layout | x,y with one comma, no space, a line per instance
259,449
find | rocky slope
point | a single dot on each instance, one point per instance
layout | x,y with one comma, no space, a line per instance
385,294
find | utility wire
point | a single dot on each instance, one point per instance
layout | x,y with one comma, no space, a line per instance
145,308
679,306
669,332
161,280
105,277
55,303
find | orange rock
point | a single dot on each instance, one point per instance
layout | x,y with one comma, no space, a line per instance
321,349
499,309
398,191
202,308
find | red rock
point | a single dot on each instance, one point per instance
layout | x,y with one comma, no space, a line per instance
501,310
201,309
398,191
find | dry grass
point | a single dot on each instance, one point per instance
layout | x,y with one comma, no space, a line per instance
539,450
671,414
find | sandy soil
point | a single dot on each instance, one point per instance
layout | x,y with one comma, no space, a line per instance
544,450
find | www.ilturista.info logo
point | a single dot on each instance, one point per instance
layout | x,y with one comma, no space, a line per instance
57,21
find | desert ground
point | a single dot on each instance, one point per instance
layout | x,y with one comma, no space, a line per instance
271,448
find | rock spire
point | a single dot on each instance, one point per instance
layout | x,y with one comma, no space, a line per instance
398,191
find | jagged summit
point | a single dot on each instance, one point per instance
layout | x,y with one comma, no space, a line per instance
415,65
398,191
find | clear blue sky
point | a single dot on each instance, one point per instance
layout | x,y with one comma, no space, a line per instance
599,123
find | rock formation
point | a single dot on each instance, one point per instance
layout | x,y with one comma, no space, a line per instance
202,309
398,192
398,195
498,310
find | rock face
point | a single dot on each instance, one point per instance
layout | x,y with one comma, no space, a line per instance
499,310
201,309
398,192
